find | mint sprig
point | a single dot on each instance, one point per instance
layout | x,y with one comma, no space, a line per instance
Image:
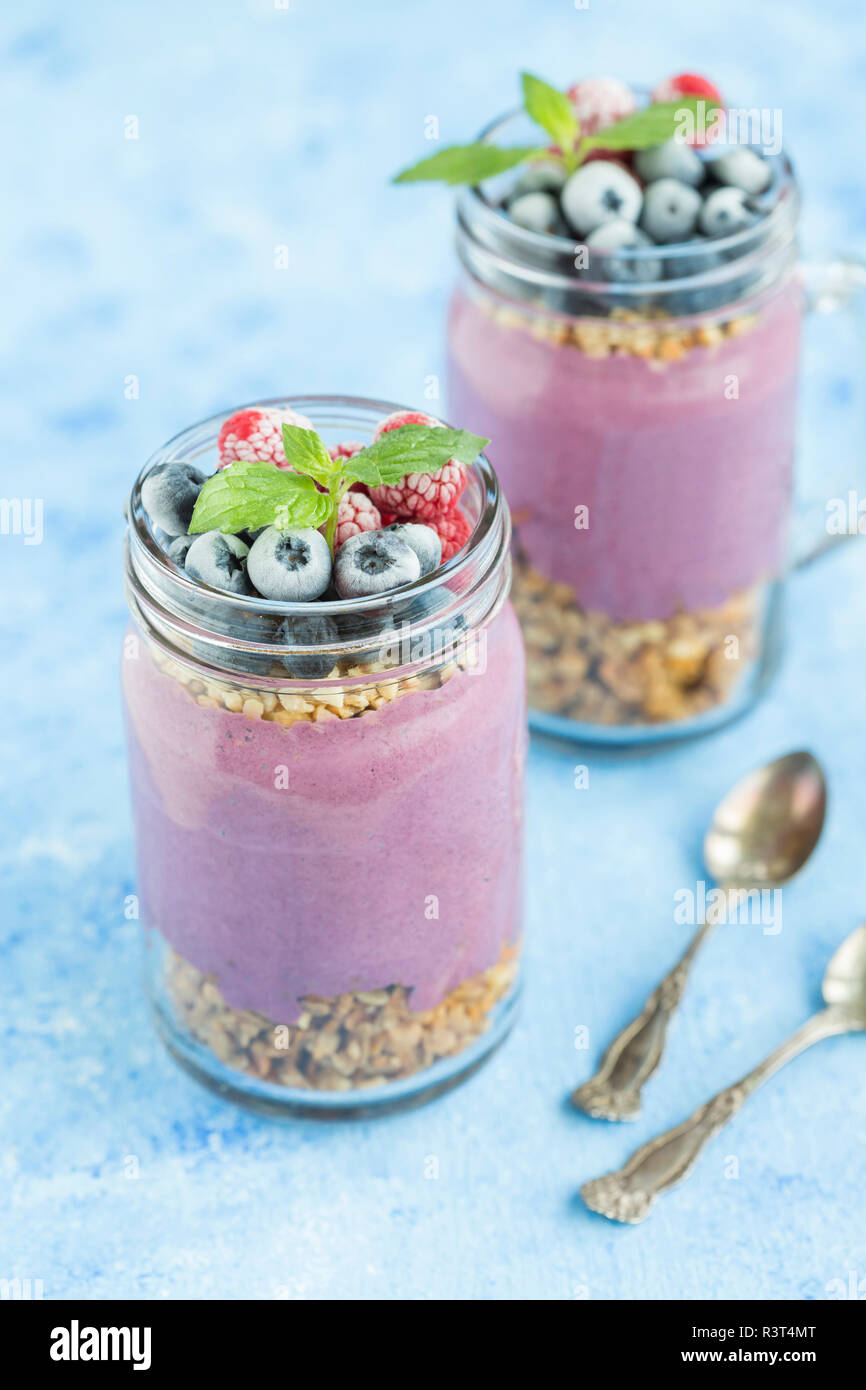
245,496
652,126
553,111
466,164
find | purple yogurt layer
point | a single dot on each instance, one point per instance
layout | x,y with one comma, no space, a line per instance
687,488
325,886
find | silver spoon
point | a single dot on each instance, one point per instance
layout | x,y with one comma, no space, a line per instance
630,1194
762,833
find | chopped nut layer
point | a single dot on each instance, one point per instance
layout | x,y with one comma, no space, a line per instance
352,1041
588,668
313,706
625,333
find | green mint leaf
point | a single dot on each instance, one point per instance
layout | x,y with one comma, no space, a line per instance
306,452
466,164
640,131
245,496
551,109
412,449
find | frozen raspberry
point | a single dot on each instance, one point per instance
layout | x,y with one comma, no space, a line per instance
686,84
420,496
357,513
453,531
599,101
347,450
257,433
403,417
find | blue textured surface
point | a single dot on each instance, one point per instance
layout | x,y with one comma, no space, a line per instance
154,258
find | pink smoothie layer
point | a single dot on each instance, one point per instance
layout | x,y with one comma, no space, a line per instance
688,491
326,886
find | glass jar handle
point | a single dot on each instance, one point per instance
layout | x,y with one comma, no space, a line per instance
832,422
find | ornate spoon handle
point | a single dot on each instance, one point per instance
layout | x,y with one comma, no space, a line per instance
630,1194
614,1093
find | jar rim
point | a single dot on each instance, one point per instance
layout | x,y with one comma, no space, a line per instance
193,612
545,261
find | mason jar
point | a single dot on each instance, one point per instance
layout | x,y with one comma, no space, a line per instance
328,823
641,406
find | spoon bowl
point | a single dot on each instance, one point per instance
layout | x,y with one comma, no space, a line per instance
766,827
845,976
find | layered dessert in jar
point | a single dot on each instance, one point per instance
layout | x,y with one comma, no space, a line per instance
325,712
626,329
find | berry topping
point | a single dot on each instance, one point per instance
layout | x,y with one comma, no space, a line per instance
619,235
742,168
686,84
356,513
689,84
218,560
307,632
544,176
670,210
373,563
537,212
599,101
453,531
724,212
420,496
598,192
169,494
404,417
257,433
177,551
424,540
346,450
293,566
672,160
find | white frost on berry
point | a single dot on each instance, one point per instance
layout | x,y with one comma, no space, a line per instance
356,513
600,101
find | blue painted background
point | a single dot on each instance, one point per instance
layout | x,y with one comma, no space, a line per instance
154,258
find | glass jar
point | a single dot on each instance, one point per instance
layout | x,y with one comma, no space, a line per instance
328,822
641,406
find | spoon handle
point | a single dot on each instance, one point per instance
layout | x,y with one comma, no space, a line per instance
614,1093
630,1194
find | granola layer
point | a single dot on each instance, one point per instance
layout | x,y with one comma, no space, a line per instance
584,666
352,1041
658,339
314,705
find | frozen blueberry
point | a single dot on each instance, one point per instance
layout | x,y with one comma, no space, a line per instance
177,550
537,212
670,210
742,168
374,562
598,192
219,561
423,540
619,235
547,176
169,494
725,211
293,566
307,632
672,160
